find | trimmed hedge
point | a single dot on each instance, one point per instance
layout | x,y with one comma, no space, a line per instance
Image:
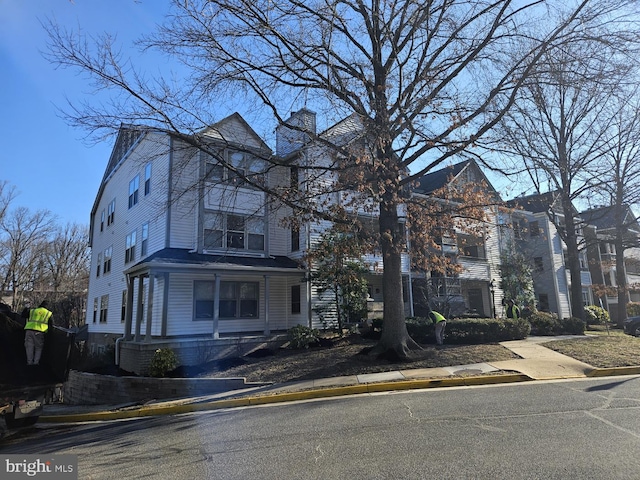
470,330
543,323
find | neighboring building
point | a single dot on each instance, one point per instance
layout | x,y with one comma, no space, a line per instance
538,239
601,251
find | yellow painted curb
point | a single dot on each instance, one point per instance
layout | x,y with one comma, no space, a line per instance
605,372
153,410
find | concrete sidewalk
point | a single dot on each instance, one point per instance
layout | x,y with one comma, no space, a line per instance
536,363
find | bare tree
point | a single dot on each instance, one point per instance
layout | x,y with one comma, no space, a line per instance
557,129
620,187
23,232
66,260
426,80
7,194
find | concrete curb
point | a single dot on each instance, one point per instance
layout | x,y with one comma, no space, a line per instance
606,372
172,409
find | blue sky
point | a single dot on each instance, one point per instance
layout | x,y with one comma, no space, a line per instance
50,164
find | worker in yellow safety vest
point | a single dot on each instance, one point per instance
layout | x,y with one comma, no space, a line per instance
440,322
35,328
513,311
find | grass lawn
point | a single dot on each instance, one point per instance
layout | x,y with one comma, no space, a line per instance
601,349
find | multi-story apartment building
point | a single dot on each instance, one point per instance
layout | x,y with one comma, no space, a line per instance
601,250
184,254
539,240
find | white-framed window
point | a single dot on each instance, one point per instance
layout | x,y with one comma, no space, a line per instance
296,302
239,165
104,308
108,252
95,309
99,265
144,240
538,264
237,299
295,238
130,250
534,229
111,212
102,218
123,307
471,246
231,231
134,186
147,179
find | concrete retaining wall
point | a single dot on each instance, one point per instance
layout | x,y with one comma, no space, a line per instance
91,389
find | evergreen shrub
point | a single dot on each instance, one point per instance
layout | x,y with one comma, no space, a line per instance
469,330
164,360
301,336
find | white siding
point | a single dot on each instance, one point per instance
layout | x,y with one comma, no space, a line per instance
180,305
151,208
184,197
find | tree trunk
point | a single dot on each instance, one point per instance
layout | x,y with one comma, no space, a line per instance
395,341
621,280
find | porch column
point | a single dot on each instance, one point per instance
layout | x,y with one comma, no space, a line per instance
165,300
147,336
139,309
267,327
216,306
129,309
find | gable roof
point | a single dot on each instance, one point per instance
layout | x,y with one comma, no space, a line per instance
604,219
234,130
538,203
433,181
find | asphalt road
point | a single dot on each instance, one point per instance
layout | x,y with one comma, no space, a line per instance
585,429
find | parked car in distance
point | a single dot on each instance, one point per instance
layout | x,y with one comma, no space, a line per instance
632,326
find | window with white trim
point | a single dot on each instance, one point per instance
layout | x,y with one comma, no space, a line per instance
102,217
238,167
95,309
99,265
134,186
130,250
147,179
296,299
123,307
104,308
237,299
231,231
144,240
111,212
108,252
